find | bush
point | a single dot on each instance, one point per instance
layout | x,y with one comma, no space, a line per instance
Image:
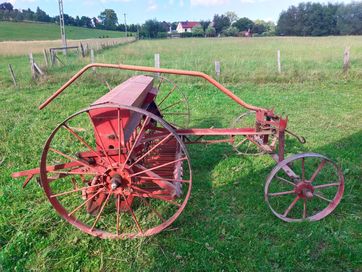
198,31
186,35
162,35
231,31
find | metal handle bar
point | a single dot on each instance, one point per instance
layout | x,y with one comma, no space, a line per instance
152,70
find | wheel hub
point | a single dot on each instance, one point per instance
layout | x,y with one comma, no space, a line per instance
304,189
118,181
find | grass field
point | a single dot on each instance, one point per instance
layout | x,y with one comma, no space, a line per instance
226,225
29,31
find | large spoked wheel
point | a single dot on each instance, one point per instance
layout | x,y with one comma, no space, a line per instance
304,187
116,172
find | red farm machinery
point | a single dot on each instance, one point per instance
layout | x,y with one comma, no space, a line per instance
120,168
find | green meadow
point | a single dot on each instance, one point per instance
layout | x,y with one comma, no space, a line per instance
226,225
29,31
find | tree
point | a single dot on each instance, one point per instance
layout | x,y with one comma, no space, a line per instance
151,28
6,6
41,16
86,22
108,19
232,16
198,31
204,24
311,19
231,31
349,19
221,22
210,32
244,24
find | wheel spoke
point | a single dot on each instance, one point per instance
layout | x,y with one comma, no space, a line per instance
85,202
291,206
150,150
157,167
118,213
136,141
146,193
81,140
320,167
322,197
241,142
132,213
304,208
282,193
73,173
72,159
303,169
100,211
172,105
285,180
165,179
326,185
153,209
168,94
175,113
76,190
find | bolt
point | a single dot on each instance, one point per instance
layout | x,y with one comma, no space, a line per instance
309,194
115,182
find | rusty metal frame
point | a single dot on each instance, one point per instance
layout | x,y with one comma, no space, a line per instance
153,70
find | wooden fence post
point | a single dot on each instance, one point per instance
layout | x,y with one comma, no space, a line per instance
31,60
82,49
217,68
157,62
346,60
278,60
92,59
45,57
12,75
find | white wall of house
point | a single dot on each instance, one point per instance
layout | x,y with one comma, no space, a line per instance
180,29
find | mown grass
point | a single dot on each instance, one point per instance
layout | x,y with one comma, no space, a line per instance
31,31
226,225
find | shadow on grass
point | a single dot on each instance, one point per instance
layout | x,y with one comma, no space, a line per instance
227,225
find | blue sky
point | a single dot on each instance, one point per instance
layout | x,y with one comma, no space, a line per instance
168,10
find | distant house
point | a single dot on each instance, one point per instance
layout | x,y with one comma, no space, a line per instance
186,26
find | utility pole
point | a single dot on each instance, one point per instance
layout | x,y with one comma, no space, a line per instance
61,24
125,23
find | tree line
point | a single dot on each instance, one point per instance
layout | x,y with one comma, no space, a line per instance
107,19
228,24
316,19
305,19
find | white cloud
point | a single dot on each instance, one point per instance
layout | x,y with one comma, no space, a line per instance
208,2
152,5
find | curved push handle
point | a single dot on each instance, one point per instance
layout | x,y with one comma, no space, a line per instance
152,70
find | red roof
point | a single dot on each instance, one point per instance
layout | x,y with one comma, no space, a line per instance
188,24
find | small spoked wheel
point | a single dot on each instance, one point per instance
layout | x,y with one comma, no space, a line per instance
116,172
249,144
304,187
172,103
